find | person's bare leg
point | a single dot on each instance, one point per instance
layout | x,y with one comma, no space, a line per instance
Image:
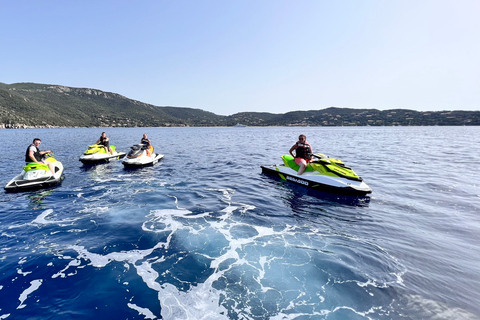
52,168
301,169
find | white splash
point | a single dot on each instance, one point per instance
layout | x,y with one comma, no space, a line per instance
192,232
73,263
19,271
94,210
142,311
34,285
41,218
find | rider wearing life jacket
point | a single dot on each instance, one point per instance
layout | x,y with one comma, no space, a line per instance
33,154
303,153
105,142
148,143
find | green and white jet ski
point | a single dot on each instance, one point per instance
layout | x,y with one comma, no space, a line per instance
96,154
323,174
37,175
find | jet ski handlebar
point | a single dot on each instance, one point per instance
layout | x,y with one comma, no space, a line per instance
48,155
317,156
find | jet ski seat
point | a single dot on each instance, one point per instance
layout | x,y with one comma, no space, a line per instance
289,161
35,166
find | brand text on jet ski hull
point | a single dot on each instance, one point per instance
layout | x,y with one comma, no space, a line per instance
305,183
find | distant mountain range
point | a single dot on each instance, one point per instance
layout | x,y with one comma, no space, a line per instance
42,105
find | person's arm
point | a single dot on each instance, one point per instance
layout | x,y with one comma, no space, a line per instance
45,152
291,150
31,156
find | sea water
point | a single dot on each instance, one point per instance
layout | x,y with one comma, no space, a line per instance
204,234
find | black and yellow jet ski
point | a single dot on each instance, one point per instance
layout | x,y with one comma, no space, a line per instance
323,174
96,153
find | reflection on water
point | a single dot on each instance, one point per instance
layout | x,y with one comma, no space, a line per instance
37,198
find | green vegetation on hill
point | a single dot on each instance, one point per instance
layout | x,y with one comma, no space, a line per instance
43,105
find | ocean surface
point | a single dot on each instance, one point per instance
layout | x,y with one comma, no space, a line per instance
204,234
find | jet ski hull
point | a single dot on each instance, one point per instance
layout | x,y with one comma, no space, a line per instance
97,158
97,154
330,184
22,183
142,161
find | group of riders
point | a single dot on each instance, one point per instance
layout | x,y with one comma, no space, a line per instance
33,153
105,142
303,150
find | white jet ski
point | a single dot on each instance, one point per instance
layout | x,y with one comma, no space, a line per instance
141,156
37,175
96,154
324,174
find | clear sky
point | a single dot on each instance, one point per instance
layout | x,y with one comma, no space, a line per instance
229,56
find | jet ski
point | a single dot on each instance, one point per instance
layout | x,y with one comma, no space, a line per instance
140,155
323,174
96,154
37,175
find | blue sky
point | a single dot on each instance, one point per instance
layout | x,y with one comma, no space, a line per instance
229,56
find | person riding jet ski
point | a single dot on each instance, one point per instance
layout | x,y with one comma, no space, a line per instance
145,141
33,154
142,154
42,170
105,141
317,171
100,152
303,153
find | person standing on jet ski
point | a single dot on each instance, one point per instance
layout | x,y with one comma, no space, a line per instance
105,142
303,153
33,154
147,143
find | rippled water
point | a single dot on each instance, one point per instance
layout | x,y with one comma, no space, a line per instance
204,235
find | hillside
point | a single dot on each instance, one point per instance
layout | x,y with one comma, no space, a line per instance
43,105
50,105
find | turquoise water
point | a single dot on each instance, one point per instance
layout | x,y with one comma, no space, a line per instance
204,235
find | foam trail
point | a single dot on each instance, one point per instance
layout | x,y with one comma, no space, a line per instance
41,218
142,311
200,303
34,285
